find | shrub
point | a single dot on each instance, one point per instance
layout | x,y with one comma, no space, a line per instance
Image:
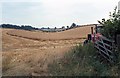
75,62
83,61
111,25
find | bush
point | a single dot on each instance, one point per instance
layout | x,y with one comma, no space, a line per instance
111,25
74,62
82,61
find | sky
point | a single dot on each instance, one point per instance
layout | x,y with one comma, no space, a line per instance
55,13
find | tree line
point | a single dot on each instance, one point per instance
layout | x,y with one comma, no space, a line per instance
28,27
112,25
24,27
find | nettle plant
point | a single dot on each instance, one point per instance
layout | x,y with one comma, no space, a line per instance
112,25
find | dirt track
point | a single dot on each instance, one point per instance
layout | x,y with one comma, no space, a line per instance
29,56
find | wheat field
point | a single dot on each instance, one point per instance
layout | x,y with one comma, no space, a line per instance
29,52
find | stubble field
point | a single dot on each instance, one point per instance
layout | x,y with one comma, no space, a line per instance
30,52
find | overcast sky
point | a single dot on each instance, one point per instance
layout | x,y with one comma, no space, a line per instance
55,13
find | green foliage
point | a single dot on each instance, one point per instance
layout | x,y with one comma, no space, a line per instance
73,25
24,27
82,61
75,63
111,25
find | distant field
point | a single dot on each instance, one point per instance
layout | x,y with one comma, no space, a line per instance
76,33
30,52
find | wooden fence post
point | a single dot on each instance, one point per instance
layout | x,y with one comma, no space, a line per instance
118,41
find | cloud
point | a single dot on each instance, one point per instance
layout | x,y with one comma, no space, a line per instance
21,12
79,11
56,12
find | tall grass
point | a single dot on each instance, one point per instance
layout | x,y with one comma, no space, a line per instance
82,61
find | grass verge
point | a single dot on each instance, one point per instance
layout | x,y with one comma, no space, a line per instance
83,61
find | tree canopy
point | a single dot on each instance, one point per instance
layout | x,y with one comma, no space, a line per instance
25,27
112,25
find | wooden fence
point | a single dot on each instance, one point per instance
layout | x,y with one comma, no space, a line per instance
118,40
106,48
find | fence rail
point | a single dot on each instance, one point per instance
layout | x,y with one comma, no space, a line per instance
106,48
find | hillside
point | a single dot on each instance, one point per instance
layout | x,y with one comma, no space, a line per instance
24,55
76,33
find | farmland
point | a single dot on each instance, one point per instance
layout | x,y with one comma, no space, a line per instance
30,52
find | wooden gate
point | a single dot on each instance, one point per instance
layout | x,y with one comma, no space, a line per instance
106,48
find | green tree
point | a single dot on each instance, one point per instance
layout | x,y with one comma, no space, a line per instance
73,25
63,27
111,25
